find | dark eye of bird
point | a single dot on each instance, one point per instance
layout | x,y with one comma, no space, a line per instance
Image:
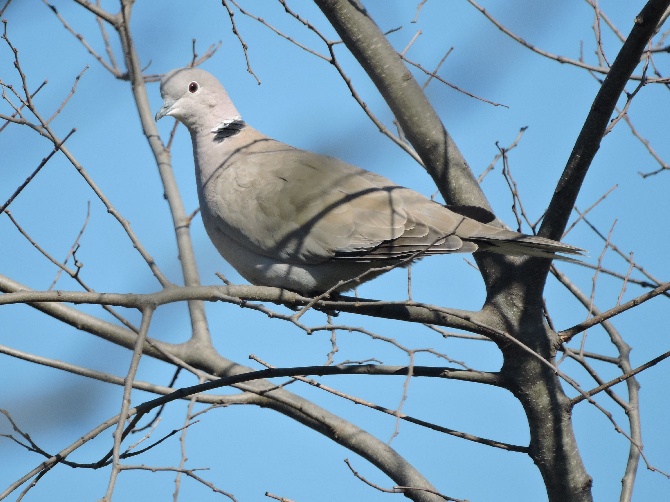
192,87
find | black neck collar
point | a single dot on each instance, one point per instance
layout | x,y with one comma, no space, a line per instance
228,129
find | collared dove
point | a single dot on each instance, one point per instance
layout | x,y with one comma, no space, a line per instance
309,223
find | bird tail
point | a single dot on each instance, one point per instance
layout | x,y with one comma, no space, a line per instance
530,245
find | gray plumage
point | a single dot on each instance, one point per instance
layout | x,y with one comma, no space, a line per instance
293,219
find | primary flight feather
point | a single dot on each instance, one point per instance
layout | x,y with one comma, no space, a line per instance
297,220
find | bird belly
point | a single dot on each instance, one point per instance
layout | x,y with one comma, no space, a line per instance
308,279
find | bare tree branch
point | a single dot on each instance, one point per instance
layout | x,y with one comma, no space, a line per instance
567,334
588,142
409,105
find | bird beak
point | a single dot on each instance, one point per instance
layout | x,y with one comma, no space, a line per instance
165,110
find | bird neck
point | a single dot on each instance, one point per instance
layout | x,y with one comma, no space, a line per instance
216,148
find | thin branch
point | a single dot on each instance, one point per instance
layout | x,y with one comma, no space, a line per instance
43,163
284,35
608,21
582,214
105,40
113,19
67,98
654,281
111,68
23,104
72,253
46,131
632,408
209,53
125,406
500,153
219,399
629,99
397,489
621,378
567,334
418,10
244,45
411,42
180,470
277,497
433,75
410,371
73,274
664,166
182,443
4,7
639,282
549,55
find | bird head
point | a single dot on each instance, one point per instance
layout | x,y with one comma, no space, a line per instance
197,99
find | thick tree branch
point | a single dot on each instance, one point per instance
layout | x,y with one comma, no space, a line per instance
588,141
267,395
418,119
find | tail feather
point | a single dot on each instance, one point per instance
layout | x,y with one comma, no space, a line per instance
531,245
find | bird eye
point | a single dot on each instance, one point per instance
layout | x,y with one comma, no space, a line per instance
193,87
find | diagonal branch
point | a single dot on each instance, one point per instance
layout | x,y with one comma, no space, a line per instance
588,141
403,94
567,334
621,378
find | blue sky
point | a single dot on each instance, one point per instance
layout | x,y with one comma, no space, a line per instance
303,102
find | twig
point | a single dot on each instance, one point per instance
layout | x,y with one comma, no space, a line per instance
98,11
236,32
621,378
500,153
67,98
549,55
567,334
437,68
418,9
4,7
582,214
411,42
331,58
629,99
111,68
105,40
617,250
43,163
23,104
664,166
416,371
72,251
434,75
188,472
182,444
125,406
607,20
277,497
116,380
397,489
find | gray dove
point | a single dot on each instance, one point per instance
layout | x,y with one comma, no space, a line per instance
309,223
